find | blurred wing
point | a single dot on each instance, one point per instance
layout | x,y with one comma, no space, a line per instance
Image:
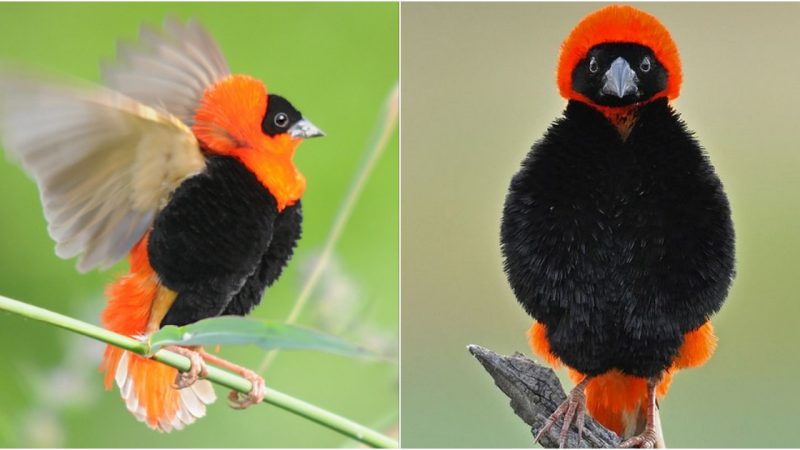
104,163
168,70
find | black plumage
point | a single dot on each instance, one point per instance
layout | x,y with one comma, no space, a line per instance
619,246
280,115
589,75
220,241
286,232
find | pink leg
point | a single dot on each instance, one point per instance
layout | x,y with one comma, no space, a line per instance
649,437
197,370
573,409
236,399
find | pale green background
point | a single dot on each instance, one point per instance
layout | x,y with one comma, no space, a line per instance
478,89
336,63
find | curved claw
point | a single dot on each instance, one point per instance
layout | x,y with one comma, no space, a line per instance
573,409
647,439
560,411
197,370
237,400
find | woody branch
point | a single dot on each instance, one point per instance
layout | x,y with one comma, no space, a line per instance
535,393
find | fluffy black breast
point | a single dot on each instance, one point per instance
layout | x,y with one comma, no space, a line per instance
220,241
618,247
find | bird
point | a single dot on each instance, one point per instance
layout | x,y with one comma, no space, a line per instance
184,167
616,232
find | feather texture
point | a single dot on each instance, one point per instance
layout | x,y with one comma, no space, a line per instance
104,163
169,70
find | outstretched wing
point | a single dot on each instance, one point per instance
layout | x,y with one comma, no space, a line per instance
104,163
168,70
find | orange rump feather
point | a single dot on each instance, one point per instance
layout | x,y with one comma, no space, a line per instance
616,400
537,339
146,385
697,348
128,310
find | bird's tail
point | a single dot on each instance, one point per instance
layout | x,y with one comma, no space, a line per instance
145,385
617,400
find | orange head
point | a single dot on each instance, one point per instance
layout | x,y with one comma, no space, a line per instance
619,57
238,118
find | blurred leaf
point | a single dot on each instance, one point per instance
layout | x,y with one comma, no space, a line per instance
234,330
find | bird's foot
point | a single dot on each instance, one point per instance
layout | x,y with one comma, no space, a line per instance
237,400
572,410
647,439
651,437
196,371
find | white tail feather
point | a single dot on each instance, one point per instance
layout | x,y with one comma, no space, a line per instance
193,400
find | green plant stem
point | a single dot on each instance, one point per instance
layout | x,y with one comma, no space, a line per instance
221,377
375,148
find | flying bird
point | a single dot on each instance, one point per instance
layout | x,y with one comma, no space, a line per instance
616,232
182,166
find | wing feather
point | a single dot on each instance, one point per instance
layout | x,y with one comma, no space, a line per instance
168,69
104,163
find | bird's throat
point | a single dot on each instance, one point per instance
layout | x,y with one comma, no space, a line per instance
278,174
623,119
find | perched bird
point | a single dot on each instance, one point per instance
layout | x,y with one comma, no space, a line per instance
616,232
186,168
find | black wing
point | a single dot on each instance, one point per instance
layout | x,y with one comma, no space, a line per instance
209,239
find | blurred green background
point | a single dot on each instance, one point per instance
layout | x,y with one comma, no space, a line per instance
336,62
478,89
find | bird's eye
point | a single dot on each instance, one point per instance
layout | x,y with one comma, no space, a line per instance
281,120
644,66
593,67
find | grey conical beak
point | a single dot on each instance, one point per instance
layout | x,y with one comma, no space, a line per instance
620,79
304,129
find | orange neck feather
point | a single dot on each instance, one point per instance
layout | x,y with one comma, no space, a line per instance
228,122
277,173
618,23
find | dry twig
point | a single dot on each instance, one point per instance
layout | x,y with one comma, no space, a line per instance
536,392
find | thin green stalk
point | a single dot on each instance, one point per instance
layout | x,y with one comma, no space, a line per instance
221,377
375,149
389,420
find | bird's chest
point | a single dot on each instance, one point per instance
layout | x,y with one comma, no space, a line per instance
618,248
616,224
215,227
616,214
